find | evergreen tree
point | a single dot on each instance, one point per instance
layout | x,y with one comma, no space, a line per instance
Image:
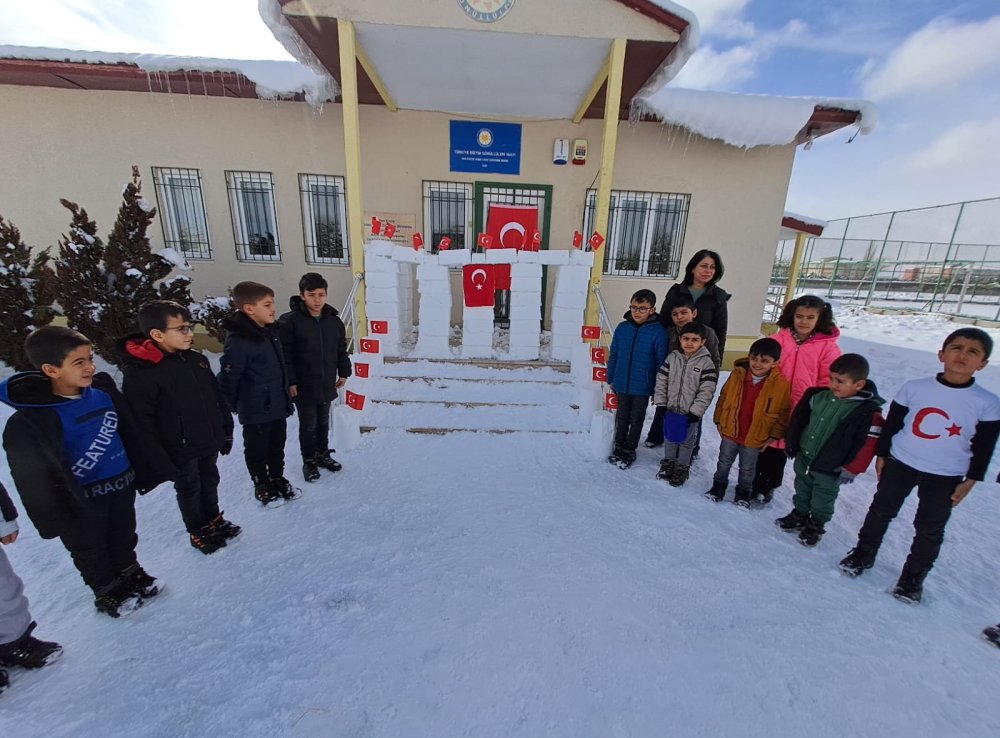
27,291
210,313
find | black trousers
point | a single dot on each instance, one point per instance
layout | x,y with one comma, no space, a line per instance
933,511
770,470
198,491
314,427
628,420
655,434
102,540
264,449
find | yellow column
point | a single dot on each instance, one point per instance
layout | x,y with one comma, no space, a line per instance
612,103
793,270
352,149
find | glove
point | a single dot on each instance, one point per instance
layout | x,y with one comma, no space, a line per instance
847,477
227,446
692,418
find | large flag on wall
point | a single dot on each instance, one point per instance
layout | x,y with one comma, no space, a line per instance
512,227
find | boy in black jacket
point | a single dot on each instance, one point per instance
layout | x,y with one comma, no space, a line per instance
315,346
255,386
184,420
72,453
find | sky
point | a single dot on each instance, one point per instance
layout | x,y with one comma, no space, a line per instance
933,68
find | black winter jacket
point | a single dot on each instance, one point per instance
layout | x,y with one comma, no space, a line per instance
315,351
33,440
253,380
176,401
8,513
712,310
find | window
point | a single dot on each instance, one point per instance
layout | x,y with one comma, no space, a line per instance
645,232
182,211
447,212
255,225
324,218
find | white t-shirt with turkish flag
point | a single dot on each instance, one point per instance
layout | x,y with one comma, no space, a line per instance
937,431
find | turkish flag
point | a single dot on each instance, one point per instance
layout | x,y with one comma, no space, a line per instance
361,370
390,230
599,355
354,400
600,374
511,225
590,332
478,285
536,240
485,240
611,401
368,346
596,240
380,327
418,241
444,244
577,240
501,276
376,226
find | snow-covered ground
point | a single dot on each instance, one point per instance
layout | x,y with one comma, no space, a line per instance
500,585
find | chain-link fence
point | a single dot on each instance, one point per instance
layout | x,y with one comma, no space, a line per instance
943,259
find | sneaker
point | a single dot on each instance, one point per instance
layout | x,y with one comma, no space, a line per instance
29,652
264,493
679,475
717,493
283,488
117,599
140,581
652,444
857,562
325,461
207,540
225,528
812,532
992,634
910,587
310,472
666,469
792,522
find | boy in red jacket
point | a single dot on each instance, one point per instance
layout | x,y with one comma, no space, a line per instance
832,436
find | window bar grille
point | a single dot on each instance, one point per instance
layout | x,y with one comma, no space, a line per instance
181,204
255,229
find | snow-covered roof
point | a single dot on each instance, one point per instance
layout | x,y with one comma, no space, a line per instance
793,224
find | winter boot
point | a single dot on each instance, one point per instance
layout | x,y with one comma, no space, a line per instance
263,492
616,455
206,540
117,599
717,492
326,461
742,498
29,652
679,475
992,634
857,562
225,528
141,582
666,469
793,521
310,472
652,444
283,488
910,587
4,680
626,459
812,532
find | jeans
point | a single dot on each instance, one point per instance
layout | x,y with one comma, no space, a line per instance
314,428
102,541
682,452
628,420
264,449
729,451
198,492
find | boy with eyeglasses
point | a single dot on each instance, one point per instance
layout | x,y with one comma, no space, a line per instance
183,418
638,347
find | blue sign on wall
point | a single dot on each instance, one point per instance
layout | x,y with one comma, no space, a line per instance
485,148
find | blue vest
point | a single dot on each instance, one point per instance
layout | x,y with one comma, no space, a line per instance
92,446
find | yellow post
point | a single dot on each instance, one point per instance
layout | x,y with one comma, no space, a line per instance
612,103
352,149
793,270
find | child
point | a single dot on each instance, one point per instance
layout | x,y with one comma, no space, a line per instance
751,414
175,398
17,646
255,386
808,338
685,384
314,342
939,436
832,436
71,447
638,347
682,313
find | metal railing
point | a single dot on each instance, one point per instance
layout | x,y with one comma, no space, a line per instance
348,315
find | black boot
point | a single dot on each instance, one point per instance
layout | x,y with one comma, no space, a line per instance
857,562
992,634
666,469
4,680
140,581
626,459
793,521
310,472
283,488
812,532
263,492
742,498
680,474
910,587
616,455
717,492
207,540
225,528
29,652
326,461
117,599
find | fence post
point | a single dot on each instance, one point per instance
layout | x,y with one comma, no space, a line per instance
947,255
878,263
836,264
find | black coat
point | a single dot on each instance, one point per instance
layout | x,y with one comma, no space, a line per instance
712,310
315,351
33,440
851,435
253,380
176,401
8,513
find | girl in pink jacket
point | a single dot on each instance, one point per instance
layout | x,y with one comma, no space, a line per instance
808,338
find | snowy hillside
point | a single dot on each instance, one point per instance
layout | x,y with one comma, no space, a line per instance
509,585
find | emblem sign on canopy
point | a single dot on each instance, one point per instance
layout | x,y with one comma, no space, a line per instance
486,11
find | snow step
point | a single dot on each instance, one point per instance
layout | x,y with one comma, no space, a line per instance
503,417
494,431
455,403
559,366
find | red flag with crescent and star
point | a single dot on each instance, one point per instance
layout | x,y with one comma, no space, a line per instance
600,374
361,369
354,400
380,327
478,285
368,345
512,226
610,401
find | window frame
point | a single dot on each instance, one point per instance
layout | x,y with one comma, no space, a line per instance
307,194
464,190
263,183
170,202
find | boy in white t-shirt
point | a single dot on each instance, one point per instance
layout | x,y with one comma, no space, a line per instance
939,436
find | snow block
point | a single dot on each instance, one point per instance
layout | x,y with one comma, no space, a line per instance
408,256
434,328
567,315
522,353
346,428
437,299
582,364
526,270
457,257
501,256
602,434
572,274
381,294
590,400
381,279
378,247
567,299
526,284
529,257
581,258
554,257
477,259
382,311
431,273
561,353
525,324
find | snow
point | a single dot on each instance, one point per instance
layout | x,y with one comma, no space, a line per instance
174,257
281,29
496,585
806,219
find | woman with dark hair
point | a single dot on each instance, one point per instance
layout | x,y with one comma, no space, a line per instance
699,289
